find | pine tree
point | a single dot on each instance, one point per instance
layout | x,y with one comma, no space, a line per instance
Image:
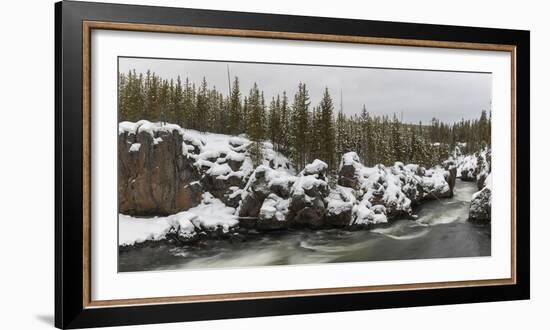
255,126
396,144
275,122
201,114
285,124
327,131
299,127
188,106
214,111
342,137
314,135
484,128
123,89
178,103
163,101
235,108
263,123
152,110
295,130
370,153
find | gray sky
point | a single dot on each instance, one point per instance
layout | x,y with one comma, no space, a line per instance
420,95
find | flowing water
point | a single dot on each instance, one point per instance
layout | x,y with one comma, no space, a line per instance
441,231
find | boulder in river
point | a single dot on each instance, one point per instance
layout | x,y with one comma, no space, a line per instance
480,206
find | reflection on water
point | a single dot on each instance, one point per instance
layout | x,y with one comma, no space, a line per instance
441,231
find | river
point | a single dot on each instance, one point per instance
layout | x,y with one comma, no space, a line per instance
441,231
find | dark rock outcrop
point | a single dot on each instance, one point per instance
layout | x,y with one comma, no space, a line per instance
256,192
450,176
223,188
155,174
340,219
308,210
347,175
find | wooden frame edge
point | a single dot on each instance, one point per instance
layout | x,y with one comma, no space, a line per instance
295,293
89,25
513,127
139,27
86,163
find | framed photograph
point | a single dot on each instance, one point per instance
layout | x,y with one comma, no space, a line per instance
214,164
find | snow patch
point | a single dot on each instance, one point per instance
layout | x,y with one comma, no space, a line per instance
135,147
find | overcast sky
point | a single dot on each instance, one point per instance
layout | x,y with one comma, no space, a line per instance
419,95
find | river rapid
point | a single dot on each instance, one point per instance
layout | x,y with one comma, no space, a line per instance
441,231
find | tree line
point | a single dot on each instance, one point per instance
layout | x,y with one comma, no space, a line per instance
294,126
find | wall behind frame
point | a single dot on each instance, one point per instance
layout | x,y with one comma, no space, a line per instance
26,170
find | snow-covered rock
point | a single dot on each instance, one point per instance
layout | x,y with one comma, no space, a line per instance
475,167
317,167
210,218
340,206
274,198
483,168
347,172
308,193
392,191
227,167
258,188
467,168
273,213
164,168
480,207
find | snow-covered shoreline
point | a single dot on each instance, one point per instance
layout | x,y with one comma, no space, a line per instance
210,217
181,186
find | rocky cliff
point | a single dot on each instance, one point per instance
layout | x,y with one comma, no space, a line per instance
156,175
165,170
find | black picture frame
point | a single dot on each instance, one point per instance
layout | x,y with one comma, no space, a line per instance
70,309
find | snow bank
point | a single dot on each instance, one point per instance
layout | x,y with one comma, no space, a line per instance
134,230
211,215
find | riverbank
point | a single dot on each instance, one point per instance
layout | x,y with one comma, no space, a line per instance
201,192
435,234
182,185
